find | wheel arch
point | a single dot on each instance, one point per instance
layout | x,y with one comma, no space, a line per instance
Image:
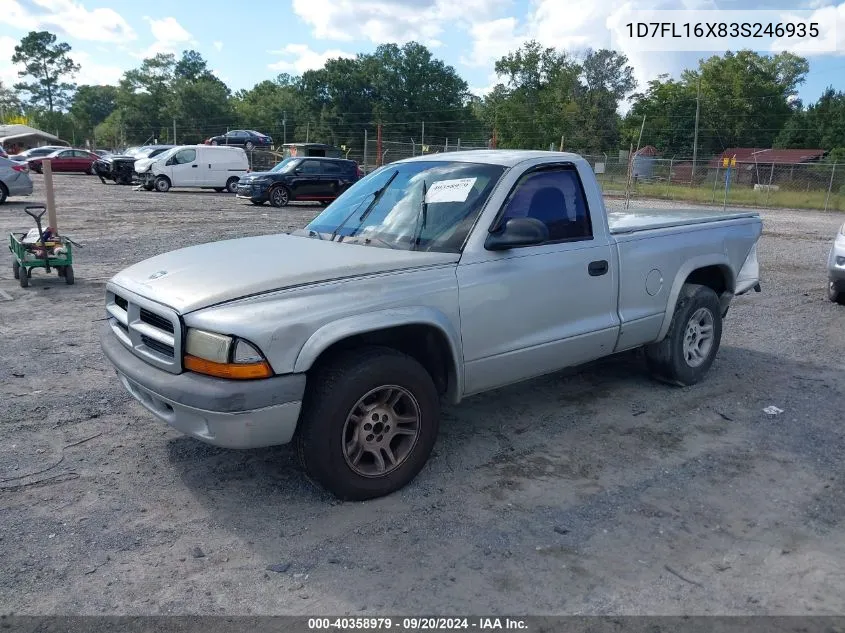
714,272
423,333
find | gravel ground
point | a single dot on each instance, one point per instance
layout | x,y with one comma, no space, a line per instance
589,492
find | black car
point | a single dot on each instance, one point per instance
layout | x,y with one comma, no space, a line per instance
248,139
300,179
121,168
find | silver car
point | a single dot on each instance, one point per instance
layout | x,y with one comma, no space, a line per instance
836,269
14,179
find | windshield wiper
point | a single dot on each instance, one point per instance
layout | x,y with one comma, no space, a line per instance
422,216
378,193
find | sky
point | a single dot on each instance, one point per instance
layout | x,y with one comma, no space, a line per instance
263,38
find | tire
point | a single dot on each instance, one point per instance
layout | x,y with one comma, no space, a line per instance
69,279
279,196
60,271
335,389
249,146
674,360
161,184
16,269
836,291
24,277
232,185
4,193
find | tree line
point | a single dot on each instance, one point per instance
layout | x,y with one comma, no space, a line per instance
547,98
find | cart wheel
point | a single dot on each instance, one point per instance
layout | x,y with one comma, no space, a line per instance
16,269
60,271
69,275
24,277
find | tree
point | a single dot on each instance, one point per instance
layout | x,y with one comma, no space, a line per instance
10,105
820,125
191,66
48,63
91,105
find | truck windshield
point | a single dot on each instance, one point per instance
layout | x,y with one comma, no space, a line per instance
387,209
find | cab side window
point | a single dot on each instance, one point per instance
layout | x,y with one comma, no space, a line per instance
555,197
185,156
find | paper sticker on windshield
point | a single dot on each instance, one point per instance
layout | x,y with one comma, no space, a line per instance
456,190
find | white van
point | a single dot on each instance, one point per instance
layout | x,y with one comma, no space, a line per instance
215,167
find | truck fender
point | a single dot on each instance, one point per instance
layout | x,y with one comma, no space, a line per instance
336,331
684,271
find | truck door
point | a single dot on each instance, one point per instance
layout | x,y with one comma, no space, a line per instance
532,310
183,167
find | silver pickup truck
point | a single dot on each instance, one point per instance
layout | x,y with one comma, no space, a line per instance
432,278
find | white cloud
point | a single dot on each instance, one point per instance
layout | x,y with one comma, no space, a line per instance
8,72
170,37
301,58
218,45
69,18
93,73
398,21
491,40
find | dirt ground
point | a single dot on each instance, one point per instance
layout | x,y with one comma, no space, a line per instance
590,492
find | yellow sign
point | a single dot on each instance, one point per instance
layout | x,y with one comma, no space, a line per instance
733,161
724,162
425,148
343,147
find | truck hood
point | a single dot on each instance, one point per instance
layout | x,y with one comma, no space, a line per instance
196,277
143,164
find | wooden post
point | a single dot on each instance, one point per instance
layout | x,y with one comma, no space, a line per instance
561,143
47,168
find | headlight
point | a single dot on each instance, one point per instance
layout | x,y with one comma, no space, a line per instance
224,356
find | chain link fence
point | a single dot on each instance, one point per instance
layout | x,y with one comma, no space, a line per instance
707,181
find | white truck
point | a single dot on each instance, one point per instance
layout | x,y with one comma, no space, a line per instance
430,279
194,166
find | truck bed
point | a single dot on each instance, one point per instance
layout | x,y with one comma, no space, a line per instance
635,220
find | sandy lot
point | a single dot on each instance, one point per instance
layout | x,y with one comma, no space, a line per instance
591,492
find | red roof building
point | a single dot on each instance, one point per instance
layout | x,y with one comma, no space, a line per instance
758,156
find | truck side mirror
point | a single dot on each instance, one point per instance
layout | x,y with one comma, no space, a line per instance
517,232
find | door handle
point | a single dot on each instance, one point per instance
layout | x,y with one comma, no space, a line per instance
194,166
597,268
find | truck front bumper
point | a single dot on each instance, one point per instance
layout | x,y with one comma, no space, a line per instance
226,413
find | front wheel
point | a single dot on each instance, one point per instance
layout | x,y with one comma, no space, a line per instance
370,419
68,275
685,355
279,197
162,184
836,291
16,269
249,146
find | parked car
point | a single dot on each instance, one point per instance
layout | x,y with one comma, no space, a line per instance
248,139
200,166
120,168
102,153
836,269
14,179
295,179
36,152
435,277
67,160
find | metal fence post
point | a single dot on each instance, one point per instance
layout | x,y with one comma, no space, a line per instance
669,179
365,151
829,186
769,188
715,182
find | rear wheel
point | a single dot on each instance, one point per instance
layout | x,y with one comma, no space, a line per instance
16,269
162,184
249,146
836,291
69,279
370,419
23,278
4,193
685,355
279,196
232,185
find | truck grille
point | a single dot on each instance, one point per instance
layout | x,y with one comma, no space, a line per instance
152,331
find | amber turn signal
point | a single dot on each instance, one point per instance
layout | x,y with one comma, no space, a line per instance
235,371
